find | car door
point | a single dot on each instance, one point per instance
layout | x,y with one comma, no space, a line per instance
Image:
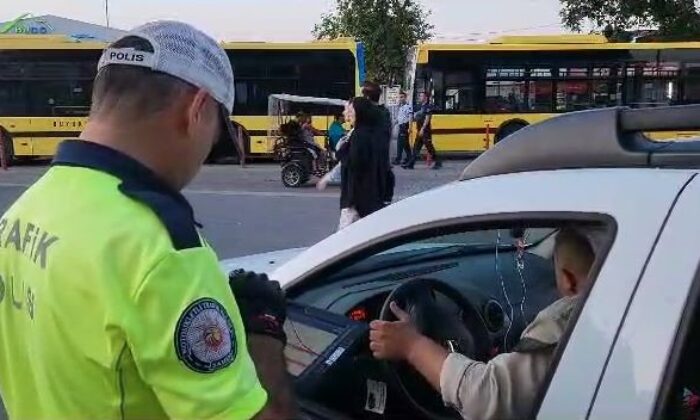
573,387
570,195
632,382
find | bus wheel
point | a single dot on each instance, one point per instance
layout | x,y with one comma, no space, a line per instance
293,175
508,129
7,144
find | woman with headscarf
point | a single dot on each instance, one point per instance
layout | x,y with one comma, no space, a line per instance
361,185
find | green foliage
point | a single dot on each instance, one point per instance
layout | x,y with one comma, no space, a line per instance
388,28
675,19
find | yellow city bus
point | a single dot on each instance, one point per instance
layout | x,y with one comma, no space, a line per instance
325,69
46,84
483,92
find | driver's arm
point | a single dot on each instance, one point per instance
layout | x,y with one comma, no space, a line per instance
505,387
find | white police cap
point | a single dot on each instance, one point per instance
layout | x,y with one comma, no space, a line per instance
181,51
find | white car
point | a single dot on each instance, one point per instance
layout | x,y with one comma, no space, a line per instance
485,244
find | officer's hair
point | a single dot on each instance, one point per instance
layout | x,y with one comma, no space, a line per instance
574,250
134,92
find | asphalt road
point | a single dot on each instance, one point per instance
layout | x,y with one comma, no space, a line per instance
247,210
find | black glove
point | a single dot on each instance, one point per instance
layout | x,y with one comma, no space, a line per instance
261,302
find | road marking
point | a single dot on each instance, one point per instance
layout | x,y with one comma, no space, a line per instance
271,194
266,194
263,193
14,185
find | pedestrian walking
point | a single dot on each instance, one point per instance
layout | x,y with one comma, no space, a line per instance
336,131
404,119
373,92
423,118
334,175
362,172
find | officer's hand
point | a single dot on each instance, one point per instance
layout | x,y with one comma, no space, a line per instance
261,302
393,340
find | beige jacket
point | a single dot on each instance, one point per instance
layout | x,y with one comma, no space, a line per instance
506,386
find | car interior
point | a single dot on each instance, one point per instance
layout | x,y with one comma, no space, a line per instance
473,290
680,395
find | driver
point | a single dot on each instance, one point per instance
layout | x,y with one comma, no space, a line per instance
506,386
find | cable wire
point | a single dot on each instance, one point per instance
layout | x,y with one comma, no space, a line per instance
505,292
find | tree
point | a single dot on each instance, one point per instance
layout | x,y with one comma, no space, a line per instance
675,19
388,28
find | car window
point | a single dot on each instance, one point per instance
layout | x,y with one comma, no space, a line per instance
435,246
491,236
507,273
683,398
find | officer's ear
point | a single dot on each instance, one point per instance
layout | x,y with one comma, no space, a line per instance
197,111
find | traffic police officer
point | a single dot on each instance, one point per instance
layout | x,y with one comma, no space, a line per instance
111,303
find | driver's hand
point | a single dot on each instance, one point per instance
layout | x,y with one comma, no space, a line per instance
393,340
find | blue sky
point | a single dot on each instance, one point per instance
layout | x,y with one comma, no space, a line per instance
276,20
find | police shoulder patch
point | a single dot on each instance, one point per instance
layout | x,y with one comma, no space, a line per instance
205,340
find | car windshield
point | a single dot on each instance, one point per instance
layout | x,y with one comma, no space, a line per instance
444,246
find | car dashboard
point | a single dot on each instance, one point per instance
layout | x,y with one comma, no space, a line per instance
496,286
507,295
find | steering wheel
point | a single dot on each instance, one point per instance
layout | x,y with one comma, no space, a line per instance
450,320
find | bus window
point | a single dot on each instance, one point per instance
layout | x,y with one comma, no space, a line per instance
13,101
460,99
459,92
606,87
505,95
573,73
691,90
652,84
241,93
322,73
606,93
540,96
60,97
573,95
573,89
47,83
540,90
505,73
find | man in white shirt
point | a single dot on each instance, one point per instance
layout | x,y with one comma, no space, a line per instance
404,121
506,386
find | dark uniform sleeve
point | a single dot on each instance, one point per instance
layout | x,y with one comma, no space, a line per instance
188,341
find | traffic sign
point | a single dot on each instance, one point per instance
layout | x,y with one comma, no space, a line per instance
392,96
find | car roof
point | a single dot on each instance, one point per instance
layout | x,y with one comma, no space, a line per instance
601,138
